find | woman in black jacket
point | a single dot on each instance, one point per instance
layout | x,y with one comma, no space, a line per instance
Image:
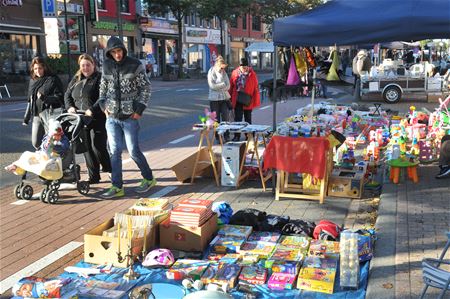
45,99
81,94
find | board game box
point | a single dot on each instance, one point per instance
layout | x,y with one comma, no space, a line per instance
253,274
281,281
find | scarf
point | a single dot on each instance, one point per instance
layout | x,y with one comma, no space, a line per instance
241,80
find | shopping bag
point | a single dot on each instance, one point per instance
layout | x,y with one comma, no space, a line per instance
244,98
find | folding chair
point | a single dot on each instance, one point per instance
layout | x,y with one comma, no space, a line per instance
6,89
435,276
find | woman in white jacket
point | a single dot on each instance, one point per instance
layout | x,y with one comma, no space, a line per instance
219,97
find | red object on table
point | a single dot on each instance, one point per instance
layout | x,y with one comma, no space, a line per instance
297,155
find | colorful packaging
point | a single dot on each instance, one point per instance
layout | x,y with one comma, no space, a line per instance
314,279
183,268
235,230
230,258
264,236
320,263
259,248
223,274
36,287
285,267
283,253
323,248
281,281
296,242
253,274
227,244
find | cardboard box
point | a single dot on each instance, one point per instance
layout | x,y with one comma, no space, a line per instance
180,237
346,183
99,249
183,169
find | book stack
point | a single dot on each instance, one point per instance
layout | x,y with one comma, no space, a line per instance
191,212
149,206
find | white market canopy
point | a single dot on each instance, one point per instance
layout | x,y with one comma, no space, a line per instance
265,47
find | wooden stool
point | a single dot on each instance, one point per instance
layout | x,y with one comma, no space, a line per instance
396,166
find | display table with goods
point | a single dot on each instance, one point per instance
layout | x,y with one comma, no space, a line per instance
238,263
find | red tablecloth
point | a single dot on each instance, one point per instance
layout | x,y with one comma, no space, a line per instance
297,155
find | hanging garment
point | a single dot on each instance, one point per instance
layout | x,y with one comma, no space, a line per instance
333,71
293,78
300,62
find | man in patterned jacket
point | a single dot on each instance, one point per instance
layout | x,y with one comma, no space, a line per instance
124,92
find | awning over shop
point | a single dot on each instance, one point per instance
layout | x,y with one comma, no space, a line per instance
260,47
17,29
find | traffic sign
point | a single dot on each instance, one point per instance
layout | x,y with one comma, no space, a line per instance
49,9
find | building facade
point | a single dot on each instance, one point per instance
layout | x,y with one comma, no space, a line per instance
22,35
108,24
244,30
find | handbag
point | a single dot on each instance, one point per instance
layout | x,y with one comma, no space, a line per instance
243,98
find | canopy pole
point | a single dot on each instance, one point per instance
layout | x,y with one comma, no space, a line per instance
274,88
274,103
313,94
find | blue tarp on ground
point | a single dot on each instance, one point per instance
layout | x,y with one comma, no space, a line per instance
352,22
156,276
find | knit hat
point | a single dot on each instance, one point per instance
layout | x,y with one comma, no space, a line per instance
244,62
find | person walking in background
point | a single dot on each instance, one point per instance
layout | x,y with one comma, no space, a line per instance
45,99
124,93
219,97
82,93
244,88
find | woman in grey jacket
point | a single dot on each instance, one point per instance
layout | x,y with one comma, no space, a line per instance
219,97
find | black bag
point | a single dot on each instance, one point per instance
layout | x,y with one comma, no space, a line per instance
244,98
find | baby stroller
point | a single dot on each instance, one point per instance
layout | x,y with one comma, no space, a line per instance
72,126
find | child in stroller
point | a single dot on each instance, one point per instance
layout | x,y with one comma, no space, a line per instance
54,162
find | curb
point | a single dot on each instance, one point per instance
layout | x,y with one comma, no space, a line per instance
382,266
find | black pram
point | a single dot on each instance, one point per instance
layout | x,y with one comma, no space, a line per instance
73,128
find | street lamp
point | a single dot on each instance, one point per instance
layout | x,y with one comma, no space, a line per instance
441,47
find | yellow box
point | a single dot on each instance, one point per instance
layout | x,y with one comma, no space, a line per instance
318,280
346,183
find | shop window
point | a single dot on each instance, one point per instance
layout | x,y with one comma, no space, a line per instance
244,22
233,21
101,4
256,23
124,6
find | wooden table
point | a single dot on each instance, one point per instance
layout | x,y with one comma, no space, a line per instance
291,155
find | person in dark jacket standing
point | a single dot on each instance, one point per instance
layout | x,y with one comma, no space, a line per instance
244,79
45,99
124,92
82,93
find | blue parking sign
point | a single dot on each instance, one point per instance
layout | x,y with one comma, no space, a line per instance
49,9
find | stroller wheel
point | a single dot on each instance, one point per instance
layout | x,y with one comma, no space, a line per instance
26,192
52,196
43,196
83,187
17,193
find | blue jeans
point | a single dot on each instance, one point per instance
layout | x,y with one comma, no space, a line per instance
116,130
